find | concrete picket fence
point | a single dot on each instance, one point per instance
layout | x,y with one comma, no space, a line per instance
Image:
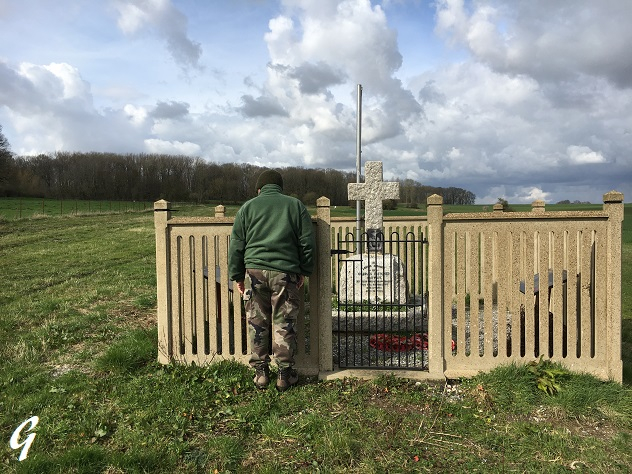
482,274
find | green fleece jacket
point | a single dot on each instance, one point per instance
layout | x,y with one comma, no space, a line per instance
271,232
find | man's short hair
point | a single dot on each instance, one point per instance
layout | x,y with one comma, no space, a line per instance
269,177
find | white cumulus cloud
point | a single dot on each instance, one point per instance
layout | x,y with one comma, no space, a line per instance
163,147
583,154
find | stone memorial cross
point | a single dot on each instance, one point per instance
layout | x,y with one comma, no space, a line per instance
369,276
373,191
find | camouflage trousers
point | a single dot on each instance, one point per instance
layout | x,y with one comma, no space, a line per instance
272,305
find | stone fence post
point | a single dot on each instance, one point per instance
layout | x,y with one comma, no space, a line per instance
323,273
613,206
162,213
436,336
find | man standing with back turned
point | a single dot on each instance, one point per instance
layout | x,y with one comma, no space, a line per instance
271,251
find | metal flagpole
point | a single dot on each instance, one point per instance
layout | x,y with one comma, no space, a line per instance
359,162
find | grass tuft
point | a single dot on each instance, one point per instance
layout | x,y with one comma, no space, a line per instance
133,351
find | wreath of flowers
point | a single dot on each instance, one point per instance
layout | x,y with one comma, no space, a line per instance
393,343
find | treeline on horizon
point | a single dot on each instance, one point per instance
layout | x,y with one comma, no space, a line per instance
149,177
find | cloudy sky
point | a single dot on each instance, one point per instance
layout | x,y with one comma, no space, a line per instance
521,100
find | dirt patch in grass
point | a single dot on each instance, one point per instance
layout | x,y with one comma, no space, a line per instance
59,369
381,398
552,418
129,316
586,428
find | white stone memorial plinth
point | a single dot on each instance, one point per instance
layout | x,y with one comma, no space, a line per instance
372,278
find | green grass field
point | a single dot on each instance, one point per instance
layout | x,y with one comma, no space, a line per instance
22,208
78,350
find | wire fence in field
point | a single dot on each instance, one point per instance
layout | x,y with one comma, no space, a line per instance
22,208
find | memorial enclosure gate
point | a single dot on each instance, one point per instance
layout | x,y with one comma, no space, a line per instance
488,288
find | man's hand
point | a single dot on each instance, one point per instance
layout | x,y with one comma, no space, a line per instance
301,280
241,287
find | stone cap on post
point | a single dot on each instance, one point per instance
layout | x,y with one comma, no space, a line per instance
538,206
613,197
161,204
162,210
322,201
434,200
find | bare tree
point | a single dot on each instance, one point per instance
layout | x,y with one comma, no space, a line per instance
7,168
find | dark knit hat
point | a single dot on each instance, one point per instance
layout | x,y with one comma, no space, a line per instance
269,177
